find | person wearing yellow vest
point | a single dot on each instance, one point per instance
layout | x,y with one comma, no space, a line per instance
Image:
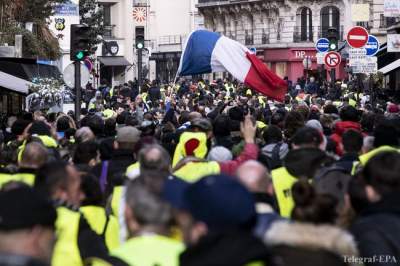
301,162
385,139
33,157
193,146
92,207
147,218
27,228
76,241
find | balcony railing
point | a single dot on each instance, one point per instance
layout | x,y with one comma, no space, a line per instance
303,34
170,40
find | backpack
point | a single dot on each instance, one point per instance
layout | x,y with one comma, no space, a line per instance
274,161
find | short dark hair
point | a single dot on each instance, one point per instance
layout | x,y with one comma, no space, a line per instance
386,133
50,176
91,188
352,141
382,172
63,124
349,113
85,152
96,124
308,137
272,134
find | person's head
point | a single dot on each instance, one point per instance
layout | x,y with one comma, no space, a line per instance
214,204
127,137
110,127
272,134
305,162
155,166
84,134
39,128
386,133
63,123
27,227
382,175
144,210
91,189
307,137
311,207
87,153
96,124
221,126
33,156
19,126
352,141
219,154
255,177
349,113
293,121
60,182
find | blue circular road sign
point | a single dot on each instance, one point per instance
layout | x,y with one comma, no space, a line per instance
372,45
322,45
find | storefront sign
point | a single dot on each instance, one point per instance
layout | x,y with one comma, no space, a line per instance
391,8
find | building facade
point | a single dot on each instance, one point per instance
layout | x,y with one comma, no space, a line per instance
115,55
284,32
167,25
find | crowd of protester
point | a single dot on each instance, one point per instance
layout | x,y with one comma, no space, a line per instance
203,173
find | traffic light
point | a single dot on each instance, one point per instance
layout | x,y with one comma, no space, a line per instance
80,42
139,37
333,39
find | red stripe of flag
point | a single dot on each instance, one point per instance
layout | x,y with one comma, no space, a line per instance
263,80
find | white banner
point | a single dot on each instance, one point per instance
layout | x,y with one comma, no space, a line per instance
368,65
393,43
360,12
391,8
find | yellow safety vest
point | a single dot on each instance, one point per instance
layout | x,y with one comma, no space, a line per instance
47,141
66,250
181,150
193,171
150,250
5,178
133,170
108,113
97,218
27,178
283,182
366,157
116,199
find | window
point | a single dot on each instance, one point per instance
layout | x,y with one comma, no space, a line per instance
303,30
330,18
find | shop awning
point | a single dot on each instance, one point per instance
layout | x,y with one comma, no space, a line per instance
114,61
14,83
392,66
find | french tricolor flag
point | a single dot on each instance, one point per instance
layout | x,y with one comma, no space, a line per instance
207,52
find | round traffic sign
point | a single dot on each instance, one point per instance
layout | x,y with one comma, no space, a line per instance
332,59
357,37
322,45
69,75
372,45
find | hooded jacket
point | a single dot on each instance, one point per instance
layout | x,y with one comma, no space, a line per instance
340,128
310,238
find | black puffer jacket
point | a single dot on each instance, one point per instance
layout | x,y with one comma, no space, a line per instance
233,249
377,231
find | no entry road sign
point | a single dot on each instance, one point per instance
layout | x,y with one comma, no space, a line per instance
357,37
332,59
